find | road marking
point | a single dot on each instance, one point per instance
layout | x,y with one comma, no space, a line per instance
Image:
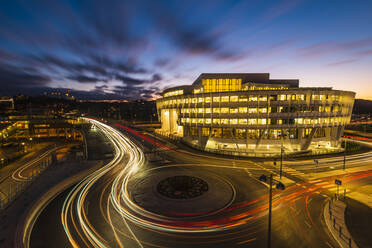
328,186
322,184
246,241
315,181
329,244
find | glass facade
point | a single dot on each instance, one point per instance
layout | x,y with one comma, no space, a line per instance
229,110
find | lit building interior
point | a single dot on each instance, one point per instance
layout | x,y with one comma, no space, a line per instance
249,114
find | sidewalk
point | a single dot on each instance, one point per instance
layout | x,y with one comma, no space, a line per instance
334,216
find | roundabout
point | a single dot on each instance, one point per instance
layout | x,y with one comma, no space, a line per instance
181,191
182,187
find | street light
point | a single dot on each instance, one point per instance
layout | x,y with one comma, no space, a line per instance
279,185
345,144
281,135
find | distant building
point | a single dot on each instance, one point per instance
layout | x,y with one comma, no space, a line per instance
250,114
6,103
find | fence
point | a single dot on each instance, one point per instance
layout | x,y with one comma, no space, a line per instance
11,188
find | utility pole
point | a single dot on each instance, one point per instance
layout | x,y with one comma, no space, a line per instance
282,135
270,202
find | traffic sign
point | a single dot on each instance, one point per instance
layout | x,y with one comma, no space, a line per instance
338,182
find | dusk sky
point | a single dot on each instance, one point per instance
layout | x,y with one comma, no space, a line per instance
135,49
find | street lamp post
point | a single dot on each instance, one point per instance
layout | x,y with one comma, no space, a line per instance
281,160
270,203
282,135
345,144
280,186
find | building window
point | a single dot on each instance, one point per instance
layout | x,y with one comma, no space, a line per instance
263,110
299,120
282,97
243,110
207,110
300,97
227,133
208,99
194,131
243,99
217,132
253,133
224,99
216,121
233,110
216,99
234,98
241,133
252,110
243,121
253,98
224,121
216,110
252,121
233,121
263,98
201,99
224,110
262,121
208,121
205,131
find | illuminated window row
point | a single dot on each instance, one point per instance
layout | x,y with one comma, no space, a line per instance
320,120
225,121
246,98
240,110
254,121
174,93
221,85
253,98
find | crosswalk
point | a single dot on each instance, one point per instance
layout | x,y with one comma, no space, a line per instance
292,171
331,187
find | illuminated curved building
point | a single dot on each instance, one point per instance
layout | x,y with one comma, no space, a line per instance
249,114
